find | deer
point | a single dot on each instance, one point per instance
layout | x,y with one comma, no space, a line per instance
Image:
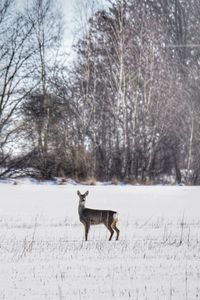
90,216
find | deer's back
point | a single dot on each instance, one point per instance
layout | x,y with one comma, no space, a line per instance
95,216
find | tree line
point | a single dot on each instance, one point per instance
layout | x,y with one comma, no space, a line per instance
126,107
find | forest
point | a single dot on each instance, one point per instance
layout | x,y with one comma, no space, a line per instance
124,105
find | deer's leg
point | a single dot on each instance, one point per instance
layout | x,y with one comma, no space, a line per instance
114,226
111,233
87,227
110,229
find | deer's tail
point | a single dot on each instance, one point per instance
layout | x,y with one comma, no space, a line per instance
115,219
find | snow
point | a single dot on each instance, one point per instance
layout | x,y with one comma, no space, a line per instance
43,254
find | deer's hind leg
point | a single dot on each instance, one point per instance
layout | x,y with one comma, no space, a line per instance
114,226
108,225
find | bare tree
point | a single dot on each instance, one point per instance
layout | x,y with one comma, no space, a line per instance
46,20
128,106
15,52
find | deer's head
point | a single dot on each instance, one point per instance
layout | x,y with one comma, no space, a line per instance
82,197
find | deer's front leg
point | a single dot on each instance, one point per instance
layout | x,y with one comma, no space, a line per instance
87,227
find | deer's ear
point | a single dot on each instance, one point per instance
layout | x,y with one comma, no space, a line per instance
78,193
86,193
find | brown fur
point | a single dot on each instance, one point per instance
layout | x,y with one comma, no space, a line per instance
90,217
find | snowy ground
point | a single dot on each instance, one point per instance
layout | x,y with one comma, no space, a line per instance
43,255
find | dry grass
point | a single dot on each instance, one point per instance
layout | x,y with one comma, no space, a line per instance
89,181
139,181
115,180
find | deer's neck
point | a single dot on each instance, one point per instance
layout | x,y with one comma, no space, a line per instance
81,208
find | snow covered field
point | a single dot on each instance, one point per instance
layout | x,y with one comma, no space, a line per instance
43,254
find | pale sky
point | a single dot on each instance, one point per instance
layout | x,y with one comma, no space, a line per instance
76,13
68,12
